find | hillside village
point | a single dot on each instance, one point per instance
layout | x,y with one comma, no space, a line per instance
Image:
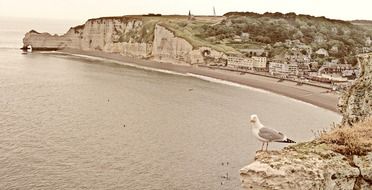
327,56
298,62
288,46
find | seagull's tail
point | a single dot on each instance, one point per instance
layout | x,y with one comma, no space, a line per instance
286,140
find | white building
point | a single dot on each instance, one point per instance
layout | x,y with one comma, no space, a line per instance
366,50
240,62
319,39
237,38
244,36
293,68
323,52
259,63
275,67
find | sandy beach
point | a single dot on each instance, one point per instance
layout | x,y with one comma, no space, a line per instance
306,93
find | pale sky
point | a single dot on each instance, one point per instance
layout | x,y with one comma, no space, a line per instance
85,9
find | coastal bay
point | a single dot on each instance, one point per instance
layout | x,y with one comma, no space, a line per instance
63,117
310,94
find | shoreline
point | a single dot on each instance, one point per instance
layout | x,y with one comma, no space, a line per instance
306,93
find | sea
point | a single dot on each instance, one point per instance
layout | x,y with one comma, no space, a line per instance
73,122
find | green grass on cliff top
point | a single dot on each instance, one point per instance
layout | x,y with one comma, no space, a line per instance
355,140
180,26
190,30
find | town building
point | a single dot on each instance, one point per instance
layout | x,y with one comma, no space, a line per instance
240,63
245,36
237,38
259,63
334,49
322,52
278,68
319,39
333,68
366,49
293,68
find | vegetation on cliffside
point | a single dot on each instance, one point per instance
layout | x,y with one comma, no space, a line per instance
356,140
274,29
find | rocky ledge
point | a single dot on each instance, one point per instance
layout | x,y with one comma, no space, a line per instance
307,166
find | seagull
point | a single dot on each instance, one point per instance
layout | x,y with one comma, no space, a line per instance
266,135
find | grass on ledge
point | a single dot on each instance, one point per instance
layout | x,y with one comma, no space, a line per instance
355,140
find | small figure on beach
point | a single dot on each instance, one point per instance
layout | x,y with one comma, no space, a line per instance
266,135
226,176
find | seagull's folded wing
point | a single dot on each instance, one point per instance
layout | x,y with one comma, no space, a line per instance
270,134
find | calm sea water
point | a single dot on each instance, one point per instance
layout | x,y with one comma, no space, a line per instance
75,123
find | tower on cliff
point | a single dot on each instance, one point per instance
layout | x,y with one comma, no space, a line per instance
214,11
190,16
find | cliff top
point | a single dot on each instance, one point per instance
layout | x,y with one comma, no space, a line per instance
290,15
237,32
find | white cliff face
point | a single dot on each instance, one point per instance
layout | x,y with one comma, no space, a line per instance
101,34
356,103
106,34
128,37
169,48
45,40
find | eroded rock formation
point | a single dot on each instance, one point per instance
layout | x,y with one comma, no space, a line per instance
129,36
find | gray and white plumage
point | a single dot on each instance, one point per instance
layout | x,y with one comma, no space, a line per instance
270,134
265,134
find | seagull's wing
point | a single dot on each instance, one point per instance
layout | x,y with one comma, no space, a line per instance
270,134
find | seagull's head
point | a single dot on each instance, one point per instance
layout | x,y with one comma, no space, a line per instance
254,118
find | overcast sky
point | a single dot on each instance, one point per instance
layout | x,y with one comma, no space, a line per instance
84,9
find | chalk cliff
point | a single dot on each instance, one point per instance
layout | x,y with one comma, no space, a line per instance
356,103
316,165
129,36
